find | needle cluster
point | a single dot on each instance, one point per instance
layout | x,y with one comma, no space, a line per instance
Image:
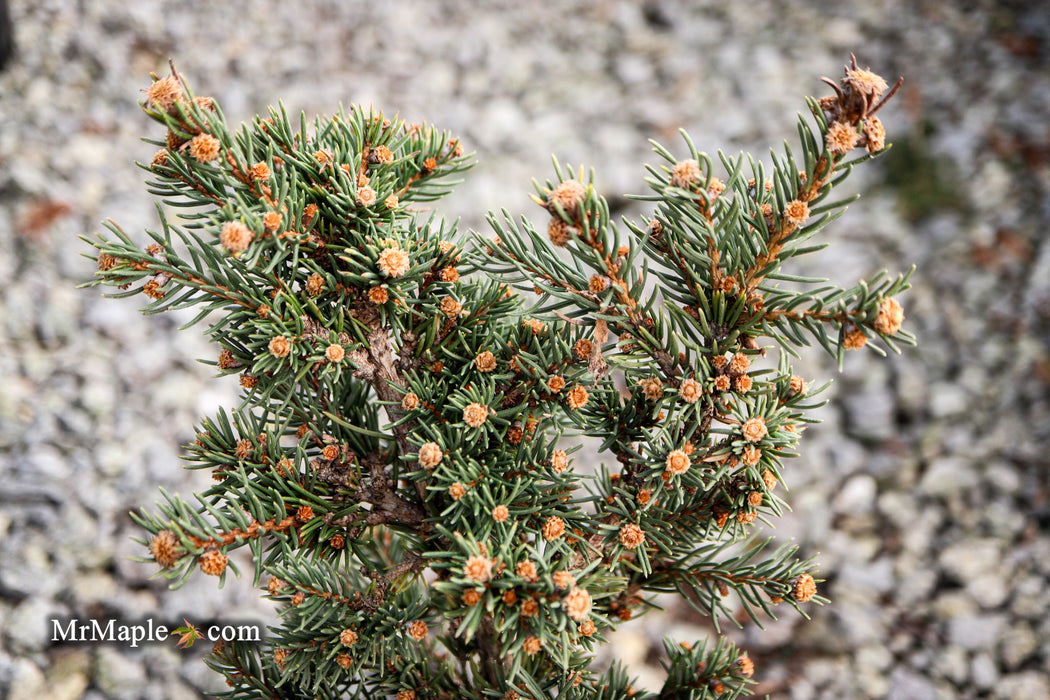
397,470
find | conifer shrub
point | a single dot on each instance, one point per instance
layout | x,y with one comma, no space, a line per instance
401,470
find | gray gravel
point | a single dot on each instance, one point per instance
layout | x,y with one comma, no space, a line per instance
925,490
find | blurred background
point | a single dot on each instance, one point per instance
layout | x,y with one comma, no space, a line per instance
924,493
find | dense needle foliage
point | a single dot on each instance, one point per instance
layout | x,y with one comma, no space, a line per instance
397,467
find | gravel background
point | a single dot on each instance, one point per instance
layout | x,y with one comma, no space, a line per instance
925,490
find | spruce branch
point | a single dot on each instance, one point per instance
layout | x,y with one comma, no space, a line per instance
396,468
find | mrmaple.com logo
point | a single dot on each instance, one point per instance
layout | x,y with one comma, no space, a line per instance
78,631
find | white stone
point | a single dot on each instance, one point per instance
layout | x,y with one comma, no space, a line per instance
975,632
970,558
857,495
1023,686
870,665
953,664
985,674
953,604
118,675
27,681
28,626
876,576
68,676
989,590
1017,644
905,683
948,475
947,400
